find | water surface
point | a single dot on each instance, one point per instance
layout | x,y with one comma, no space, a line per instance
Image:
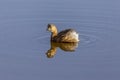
24,40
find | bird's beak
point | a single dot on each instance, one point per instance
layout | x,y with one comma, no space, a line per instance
48,29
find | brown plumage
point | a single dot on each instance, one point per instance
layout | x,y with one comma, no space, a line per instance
68,35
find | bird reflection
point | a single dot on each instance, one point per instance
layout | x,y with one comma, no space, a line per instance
69,47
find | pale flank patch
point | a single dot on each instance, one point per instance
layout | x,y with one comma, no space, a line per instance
75,36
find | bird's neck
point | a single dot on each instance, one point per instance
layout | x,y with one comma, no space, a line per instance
54,33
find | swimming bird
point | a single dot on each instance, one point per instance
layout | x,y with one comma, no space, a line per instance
66,36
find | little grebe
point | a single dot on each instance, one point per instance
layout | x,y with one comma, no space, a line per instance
68,35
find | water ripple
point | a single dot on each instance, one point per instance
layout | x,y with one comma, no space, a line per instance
87,40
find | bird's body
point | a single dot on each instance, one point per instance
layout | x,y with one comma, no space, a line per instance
68,35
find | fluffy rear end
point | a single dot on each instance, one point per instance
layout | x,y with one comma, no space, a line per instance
74,36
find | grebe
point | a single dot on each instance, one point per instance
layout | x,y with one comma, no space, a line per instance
68,35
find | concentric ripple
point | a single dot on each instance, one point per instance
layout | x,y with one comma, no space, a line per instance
87,40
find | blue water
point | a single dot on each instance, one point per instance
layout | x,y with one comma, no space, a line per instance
24,40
